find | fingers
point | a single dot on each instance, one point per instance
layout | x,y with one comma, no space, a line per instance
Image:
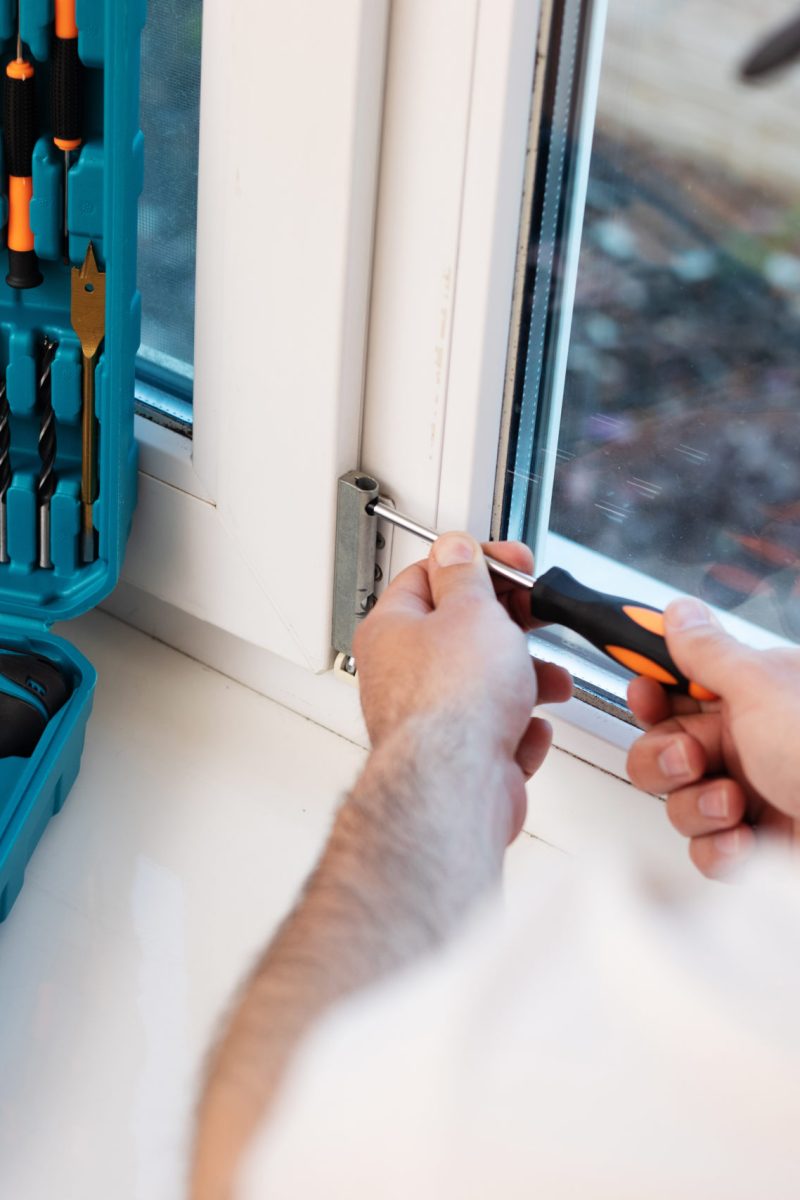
718,854
513,554
708,807
662,762
553,684
533,748
409,592
457,568
703,650
651,704
677,752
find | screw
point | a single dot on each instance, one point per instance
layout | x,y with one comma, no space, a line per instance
378,574
380,541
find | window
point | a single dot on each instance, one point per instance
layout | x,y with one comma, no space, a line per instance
170,116
285,211
652,434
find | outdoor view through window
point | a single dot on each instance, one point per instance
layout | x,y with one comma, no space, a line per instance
170,114
676,448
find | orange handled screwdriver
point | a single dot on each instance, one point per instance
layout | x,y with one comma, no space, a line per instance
66,95
630,633
19,130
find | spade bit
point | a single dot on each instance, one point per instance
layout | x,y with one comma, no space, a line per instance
89,322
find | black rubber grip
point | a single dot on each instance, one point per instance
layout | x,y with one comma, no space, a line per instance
66,97
23,269
559,599
19,125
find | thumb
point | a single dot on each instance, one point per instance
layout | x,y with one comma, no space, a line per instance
456,565
702,649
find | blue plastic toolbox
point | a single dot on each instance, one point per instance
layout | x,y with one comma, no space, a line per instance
52,572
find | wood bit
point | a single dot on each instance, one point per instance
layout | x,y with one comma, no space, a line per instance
46,483
88,315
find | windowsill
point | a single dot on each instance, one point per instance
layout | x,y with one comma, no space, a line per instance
199,809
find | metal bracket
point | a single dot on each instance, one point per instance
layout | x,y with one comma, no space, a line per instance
356,571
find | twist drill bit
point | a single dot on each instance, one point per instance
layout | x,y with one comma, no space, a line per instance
5,468
46,483
88,314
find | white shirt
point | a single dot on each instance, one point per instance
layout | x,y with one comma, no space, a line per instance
624,1035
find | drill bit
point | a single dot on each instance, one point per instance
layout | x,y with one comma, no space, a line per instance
46,483
5,468
88,313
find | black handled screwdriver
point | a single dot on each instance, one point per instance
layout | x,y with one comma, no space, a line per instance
630,633
19,133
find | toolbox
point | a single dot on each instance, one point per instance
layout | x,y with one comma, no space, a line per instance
71,90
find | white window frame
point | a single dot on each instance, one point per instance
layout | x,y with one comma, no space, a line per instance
461,77
455,91
246,585
235,526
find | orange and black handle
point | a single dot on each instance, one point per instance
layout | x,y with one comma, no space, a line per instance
66,80
630,633
19,132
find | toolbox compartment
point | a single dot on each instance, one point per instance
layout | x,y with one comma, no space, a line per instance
104,183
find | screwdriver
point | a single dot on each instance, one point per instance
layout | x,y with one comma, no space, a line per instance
88,313
630,633
66,95
19,131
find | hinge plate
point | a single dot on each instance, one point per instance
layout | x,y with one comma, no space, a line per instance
359,547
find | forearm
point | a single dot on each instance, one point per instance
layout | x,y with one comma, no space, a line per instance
413,846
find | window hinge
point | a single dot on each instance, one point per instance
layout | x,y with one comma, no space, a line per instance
357,571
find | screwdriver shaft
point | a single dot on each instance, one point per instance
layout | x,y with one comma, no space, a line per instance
383,510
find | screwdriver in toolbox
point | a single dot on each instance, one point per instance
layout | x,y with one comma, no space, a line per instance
88,313
19,132
66,96
630,633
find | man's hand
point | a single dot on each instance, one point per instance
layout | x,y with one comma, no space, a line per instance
730,770
447,688
439,645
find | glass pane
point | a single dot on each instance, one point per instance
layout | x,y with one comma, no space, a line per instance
656,441
170,111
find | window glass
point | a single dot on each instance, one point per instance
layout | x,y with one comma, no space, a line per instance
170,115
655,436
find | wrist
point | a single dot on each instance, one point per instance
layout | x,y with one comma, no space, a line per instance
434,781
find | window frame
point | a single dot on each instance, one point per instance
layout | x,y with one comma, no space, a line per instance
299,209
446,266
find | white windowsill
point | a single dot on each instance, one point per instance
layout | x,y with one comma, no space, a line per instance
199,809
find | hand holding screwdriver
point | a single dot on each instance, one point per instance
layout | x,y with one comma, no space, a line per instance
730,774
627,631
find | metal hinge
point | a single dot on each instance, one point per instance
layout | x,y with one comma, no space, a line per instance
357,572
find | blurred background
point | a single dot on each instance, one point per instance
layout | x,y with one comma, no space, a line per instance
679,451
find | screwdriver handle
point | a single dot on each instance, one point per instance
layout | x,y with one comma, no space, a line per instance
19,129
66,79
630,633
